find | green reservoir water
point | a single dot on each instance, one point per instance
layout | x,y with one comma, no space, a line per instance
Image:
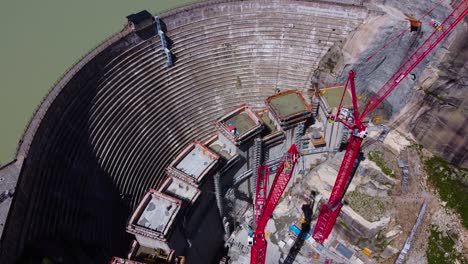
40,40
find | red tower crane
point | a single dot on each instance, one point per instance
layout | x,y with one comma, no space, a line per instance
264,208
330,210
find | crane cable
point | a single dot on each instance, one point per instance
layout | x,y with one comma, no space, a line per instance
341,100
403,32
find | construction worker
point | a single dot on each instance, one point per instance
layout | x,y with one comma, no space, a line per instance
415,24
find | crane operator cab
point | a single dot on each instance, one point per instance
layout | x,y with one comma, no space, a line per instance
363,134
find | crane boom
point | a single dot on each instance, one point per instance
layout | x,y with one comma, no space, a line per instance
282,177
330,210
435,38
404,31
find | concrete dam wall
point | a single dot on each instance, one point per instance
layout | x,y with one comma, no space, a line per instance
108,129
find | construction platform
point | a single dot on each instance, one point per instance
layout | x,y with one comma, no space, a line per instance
240,125
217,146
273,134
289,108
193,163
154,218
287,104
332,96
180,189
270,125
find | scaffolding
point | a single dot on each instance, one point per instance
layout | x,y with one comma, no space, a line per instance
258,156
299,133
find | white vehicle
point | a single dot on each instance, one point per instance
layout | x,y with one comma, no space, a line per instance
362,134
250,241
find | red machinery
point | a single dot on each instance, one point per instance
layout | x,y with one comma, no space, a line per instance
329,211
264,208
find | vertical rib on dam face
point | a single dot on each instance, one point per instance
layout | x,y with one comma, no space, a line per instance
109,128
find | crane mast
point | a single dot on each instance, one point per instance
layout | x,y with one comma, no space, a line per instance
265,208
330,210
263,173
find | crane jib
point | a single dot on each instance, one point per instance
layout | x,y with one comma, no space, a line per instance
282,177
329,212
428,45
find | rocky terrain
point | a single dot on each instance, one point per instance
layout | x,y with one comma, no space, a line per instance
431,103
440,123
378,202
